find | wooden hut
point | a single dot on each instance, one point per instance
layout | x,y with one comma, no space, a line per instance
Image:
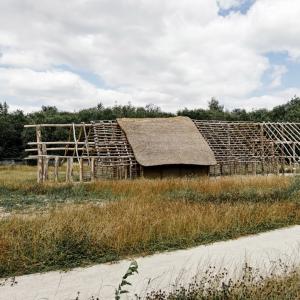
164,147
168,147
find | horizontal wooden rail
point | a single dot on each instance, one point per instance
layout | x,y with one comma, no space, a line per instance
67,156
60,143
57,125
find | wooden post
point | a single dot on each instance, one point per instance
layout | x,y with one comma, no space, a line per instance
235,167
277,166
45,168
69,169
254,168
40,153
262,148
125,168
283,166
93,169
81,169
56,165
221,169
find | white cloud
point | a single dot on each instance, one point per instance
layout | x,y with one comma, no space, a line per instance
269,100
170,53
63,89
227,4
276,76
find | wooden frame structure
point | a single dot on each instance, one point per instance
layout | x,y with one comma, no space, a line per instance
248,147
101,150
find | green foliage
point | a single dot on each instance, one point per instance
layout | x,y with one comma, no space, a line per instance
133,268
13,137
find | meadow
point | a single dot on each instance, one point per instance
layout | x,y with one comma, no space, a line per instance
60,226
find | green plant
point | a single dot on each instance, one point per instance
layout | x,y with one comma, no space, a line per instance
250,285
133,268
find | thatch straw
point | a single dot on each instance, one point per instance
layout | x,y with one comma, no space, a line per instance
167,141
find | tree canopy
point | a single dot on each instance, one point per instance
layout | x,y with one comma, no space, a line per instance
13,136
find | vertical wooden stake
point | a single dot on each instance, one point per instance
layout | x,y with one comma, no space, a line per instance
56,165
93,169
81,169
277,167
283,166
69,169
254,168
40,153
45,168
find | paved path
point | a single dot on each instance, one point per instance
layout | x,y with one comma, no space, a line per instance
159,270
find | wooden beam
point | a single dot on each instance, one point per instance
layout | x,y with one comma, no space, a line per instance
69,169
93,169
55,125
81,169
56,166
40,153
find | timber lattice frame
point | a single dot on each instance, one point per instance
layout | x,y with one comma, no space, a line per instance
101,150
269,147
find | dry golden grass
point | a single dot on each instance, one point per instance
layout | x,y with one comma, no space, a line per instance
24,178
138,217
17,175
80,234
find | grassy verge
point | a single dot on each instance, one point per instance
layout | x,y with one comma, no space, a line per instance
146,216
77,235
251,285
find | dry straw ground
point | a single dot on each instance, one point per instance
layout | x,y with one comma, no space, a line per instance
63,226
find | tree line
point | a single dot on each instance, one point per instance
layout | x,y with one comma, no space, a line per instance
13,136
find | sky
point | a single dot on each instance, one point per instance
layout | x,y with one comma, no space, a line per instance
74,54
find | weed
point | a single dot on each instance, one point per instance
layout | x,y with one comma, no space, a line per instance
250,285
133,268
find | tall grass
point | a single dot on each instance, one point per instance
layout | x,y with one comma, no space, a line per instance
250,285
108,220
81,234
18,189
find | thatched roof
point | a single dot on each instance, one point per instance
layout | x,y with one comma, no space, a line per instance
165,141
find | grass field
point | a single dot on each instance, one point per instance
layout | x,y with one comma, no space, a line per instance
251,285
46,227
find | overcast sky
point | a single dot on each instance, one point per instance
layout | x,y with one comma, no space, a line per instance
172,53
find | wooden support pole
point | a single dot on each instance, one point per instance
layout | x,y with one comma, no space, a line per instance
81,169
283,166
247,168
45,168
277,166
56,165
69,169
93,169
254,168
40,153
45,162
